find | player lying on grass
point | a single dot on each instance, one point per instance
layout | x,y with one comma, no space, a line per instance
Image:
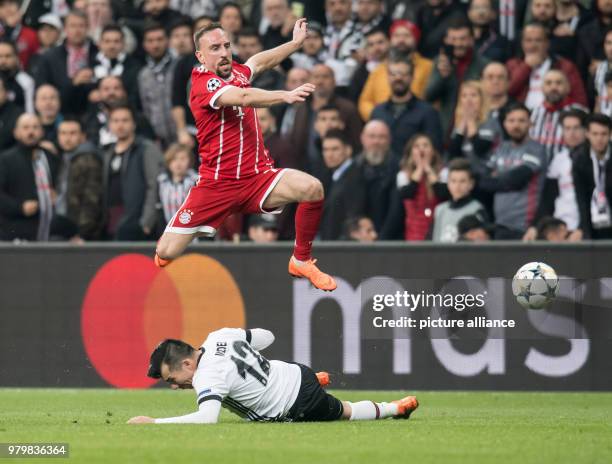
229,371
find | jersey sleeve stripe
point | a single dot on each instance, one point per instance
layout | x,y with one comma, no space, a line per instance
249,335
210,397
217,94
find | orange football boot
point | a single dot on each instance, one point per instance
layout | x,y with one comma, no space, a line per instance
323,378
161,262
405,407
311,272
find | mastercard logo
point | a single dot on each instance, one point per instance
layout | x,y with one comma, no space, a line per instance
131,305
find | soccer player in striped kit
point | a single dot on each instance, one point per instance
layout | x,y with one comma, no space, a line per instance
236,172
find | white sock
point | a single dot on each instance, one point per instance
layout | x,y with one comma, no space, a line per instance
297,261
369,410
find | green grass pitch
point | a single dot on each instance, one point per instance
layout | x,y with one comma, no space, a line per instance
454,427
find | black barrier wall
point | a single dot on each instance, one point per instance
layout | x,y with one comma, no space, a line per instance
87,316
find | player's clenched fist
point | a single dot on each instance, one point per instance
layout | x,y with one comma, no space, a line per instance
299,94
141,420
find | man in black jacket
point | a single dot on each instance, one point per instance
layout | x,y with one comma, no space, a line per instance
9,112
592,173
69,66
27,175
345,196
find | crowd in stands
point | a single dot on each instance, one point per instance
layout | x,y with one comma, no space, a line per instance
443,120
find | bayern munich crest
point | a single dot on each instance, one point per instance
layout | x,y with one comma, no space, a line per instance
213,84
185,217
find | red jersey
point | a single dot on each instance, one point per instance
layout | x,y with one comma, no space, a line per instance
230,140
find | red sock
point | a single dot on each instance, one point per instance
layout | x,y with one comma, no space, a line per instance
307,219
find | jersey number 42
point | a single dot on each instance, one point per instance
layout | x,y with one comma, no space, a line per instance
244,367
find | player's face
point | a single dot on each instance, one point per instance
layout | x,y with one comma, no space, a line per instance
69,136
599,137
216,53
517,125
573,132
182,377
460,184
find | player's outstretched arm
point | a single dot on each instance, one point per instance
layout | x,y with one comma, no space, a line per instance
259,98
260,338
207,414
270,58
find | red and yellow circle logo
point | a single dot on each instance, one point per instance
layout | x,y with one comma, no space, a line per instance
131,305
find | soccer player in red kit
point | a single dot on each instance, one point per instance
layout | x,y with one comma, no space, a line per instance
236,171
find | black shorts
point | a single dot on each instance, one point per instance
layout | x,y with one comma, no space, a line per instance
313,404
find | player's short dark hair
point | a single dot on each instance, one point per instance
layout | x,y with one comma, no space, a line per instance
198,34
248,32
461,164
548,224
112,28
170,352
459,22
573,113
376,30
515,106
600,119
73,120
337,134
152,26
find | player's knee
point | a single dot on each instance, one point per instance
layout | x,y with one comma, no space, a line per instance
313,190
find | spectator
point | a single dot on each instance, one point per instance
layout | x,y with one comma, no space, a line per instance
447,215
345,193
553,230
527,72
570,17
130,170
404,39
195,8
19,85
27,177
592,173
474,135
159,11
487,41
9,112
379,167
69,67
343,40
181,37
559,197
420,189
326,119
176,180
543,12
474,228
112,60
599,88
248,44
47,105
545,127
79,183
360,229
285,114
591,37
48,33
304,134
603,105
434,18
181,112
456,63
232,21
370,15
111,93
376,51
404,113
155,83
516,177
13,29
99,15
313,50
276,26
263,228
495,81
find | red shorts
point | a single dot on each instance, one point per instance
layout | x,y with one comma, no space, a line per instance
211,201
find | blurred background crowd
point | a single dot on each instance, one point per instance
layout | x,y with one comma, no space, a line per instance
441,120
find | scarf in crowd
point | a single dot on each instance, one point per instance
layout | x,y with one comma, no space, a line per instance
42,177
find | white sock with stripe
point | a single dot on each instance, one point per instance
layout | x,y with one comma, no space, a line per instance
369,410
